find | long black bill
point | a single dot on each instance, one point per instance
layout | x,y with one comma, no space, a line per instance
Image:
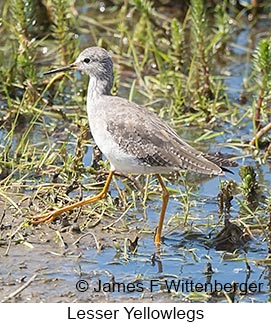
61,69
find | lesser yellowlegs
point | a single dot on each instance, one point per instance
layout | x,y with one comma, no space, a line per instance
133,139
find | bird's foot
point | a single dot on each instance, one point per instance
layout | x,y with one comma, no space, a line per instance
44,218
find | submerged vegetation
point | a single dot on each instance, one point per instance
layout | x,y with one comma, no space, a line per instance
177,58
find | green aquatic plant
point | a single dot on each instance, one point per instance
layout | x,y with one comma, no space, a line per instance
63,25
144,6
249,186
200,68
262,77
19,68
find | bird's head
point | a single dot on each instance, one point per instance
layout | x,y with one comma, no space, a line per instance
94,61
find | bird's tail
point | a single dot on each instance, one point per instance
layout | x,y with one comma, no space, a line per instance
222,162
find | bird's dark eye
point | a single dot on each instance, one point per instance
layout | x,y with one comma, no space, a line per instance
86,60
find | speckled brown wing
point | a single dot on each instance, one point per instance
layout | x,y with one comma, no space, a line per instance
141,133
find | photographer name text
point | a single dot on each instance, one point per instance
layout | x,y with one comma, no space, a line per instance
177,285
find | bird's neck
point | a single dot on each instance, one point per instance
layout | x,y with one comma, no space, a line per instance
98,87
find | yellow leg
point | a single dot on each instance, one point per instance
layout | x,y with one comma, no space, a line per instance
52,215
165,196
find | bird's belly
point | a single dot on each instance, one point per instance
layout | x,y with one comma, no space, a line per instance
119,160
